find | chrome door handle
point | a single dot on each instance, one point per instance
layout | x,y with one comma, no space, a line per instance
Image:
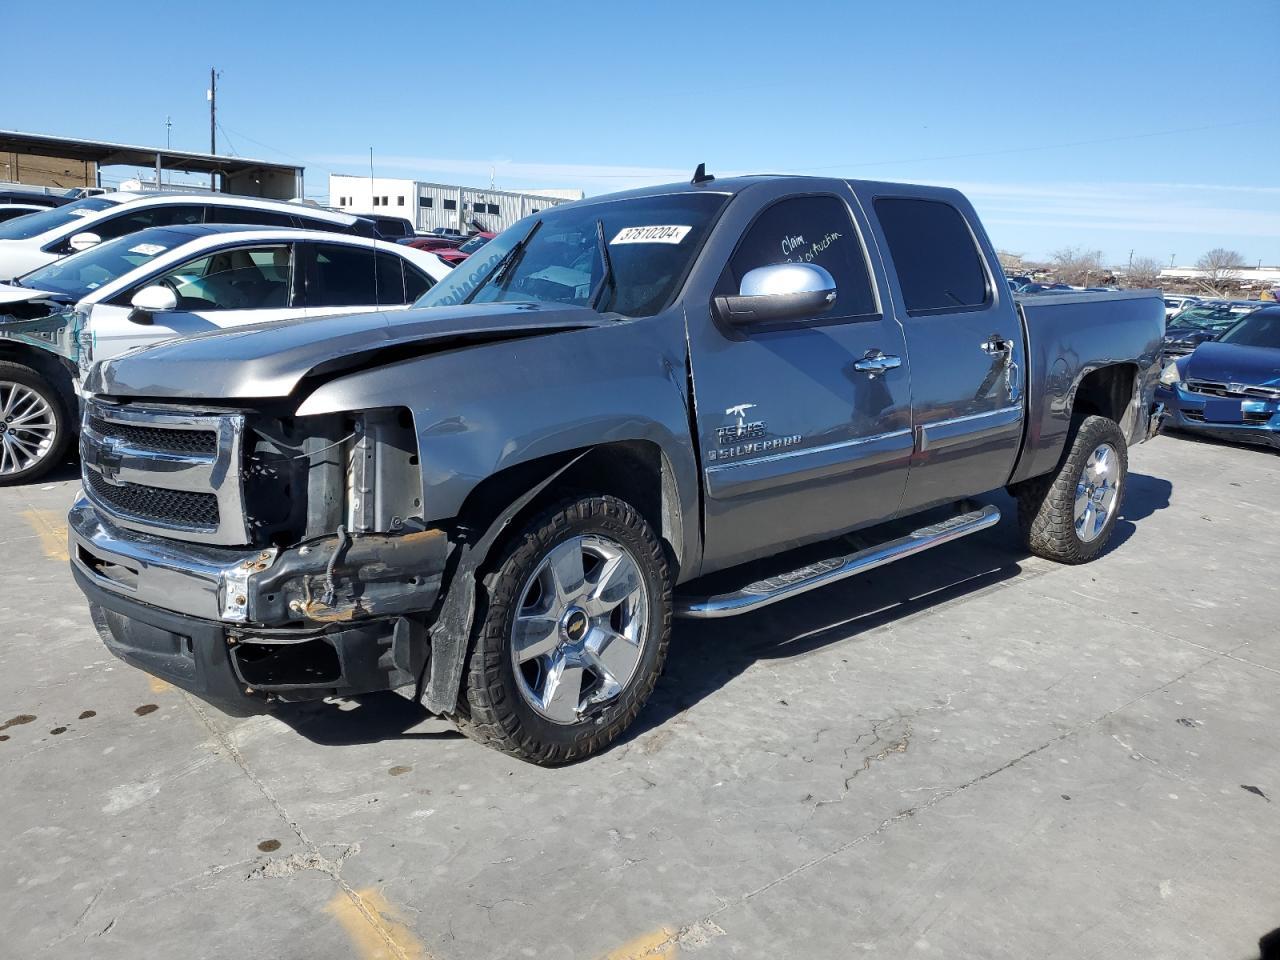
876,362
995,346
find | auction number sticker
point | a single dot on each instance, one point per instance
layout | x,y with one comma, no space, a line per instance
147,249
655,234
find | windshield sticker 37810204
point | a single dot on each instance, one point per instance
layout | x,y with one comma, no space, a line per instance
654,234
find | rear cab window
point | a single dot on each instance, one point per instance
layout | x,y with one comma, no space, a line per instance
940,267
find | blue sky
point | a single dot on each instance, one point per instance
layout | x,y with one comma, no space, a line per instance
1138,125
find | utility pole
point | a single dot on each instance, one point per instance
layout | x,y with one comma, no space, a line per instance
213,121
168,130
1131,262
1171,258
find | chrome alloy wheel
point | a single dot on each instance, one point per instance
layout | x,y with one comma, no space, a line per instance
1096,492
28,427
581,628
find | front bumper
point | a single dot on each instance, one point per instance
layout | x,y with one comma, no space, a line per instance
238,628
1236,420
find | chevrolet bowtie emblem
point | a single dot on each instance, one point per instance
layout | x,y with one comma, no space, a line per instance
108,459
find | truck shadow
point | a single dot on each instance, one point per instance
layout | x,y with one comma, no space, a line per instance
706,655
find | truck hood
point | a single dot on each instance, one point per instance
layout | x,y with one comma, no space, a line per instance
268,360
1229,363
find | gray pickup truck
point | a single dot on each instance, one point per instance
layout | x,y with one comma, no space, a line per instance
497,503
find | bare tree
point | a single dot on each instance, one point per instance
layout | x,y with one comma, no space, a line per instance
1221,270
1143,272
1078,266
1010,262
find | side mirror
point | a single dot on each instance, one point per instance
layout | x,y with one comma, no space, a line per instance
779,291
152,300
83,241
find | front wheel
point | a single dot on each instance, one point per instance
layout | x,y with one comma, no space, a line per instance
572,633
1068,516
34,424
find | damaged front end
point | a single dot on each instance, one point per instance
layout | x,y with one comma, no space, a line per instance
253,554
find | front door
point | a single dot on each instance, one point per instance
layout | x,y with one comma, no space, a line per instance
799,440
965,341
233,287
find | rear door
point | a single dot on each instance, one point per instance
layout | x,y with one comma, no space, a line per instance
964,337
231,287
346,278
797,443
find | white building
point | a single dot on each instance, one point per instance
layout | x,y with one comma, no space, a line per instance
431,205
1249,277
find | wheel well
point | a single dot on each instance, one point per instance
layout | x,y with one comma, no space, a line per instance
53,368
634,470
1105,392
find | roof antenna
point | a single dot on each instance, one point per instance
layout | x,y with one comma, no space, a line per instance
701,176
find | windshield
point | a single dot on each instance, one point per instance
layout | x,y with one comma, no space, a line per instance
652,244
24,228
474,244
1260,329
81,273
1206,318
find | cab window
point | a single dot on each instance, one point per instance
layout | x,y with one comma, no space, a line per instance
243,278
939,265
814,229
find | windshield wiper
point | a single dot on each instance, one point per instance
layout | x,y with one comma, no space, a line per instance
607,276
505,263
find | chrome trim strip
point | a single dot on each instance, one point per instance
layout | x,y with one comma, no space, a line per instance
769,591
184,578
1002,412
803,451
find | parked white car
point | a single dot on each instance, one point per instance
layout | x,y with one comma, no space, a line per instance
1175,303
46,236
168,282
11,211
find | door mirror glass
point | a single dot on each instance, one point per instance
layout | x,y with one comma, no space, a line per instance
152,300
83,241
779,291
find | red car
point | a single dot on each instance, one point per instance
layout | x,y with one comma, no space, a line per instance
456,256
434,244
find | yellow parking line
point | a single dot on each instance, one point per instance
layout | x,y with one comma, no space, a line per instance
373,927
159,686
51,527
658,945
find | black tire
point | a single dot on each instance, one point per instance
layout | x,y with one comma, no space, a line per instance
1046,505
55,452
494,709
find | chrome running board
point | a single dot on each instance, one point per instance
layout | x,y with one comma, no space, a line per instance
793,583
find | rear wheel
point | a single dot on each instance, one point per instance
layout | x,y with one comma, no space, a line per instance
35,426
1068,516
573,635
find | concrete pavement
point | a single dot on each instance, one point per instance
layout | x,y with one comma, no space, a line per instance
972,753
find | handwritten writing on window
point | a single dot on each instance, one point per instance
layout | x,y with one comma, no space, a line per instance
798,250
791,244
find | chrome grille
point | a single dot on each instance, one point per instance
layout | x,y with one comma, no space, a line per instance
174,441
1235,391
165,470
174,508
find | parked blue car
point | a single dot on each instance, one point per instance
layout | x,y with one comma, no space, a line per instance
1229,388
